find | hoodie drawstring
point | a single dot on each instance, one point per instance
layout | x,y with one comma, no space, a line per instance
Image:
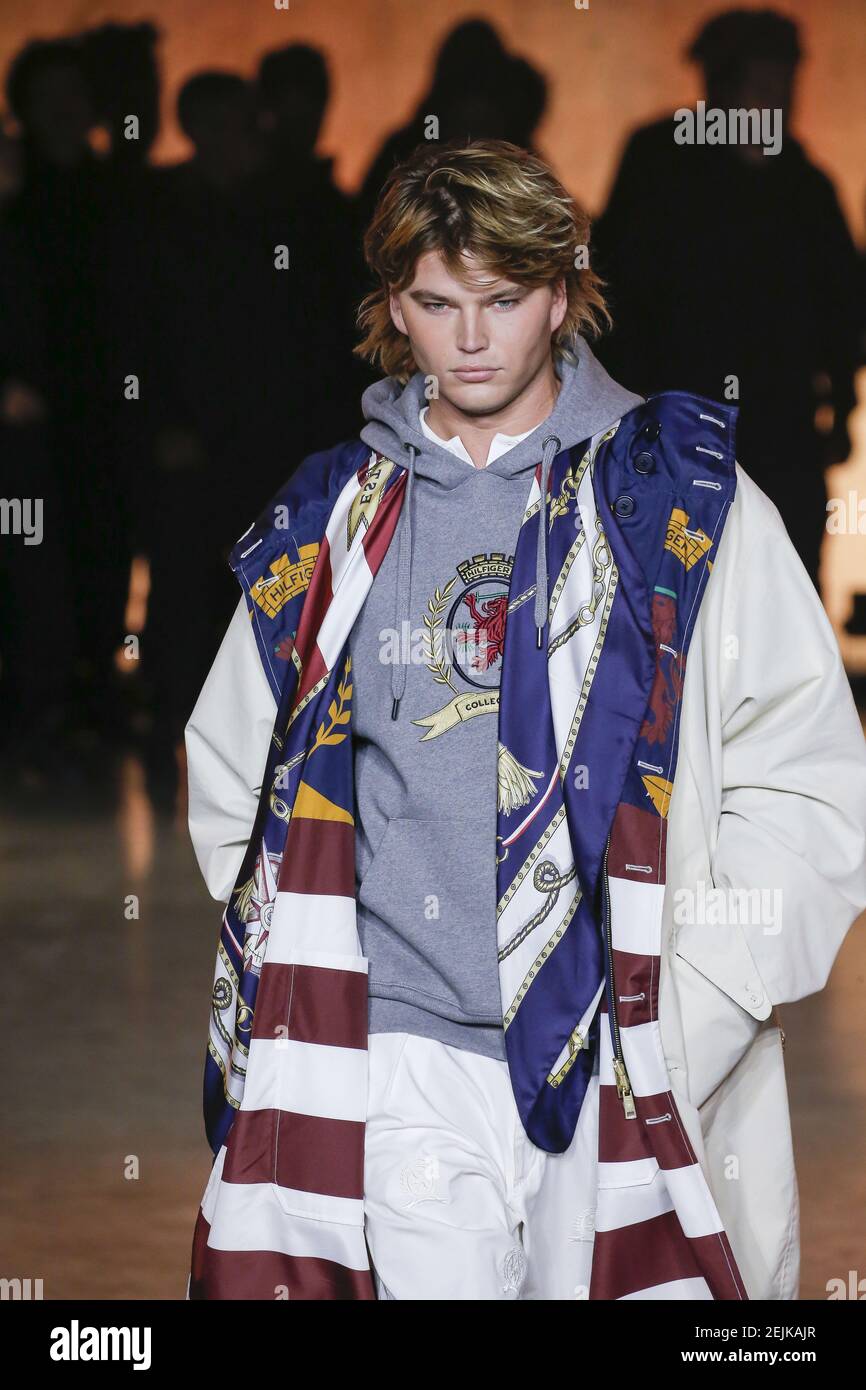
547,457
404,585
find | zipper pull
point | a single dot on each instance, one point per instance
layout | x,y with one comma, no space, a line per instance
623,1089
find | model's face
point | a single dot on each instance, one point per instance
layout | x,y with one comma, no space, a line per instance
483,341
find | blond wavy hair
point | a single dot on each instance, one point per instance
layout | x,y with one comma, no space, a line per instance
485,198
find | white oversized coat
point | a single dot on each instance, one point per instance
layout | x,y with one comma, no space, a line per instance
770,793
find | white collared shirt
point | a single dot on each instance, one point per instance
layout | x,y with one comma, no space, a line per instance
500,444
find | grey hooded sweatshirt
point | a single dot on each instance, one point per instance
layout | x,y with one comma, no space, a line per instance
426,654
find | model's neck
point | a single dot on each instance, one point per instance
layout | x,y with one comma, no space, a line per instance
518,416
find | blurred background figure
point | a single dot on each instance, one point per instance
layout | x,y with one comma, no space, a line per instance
293,91
293,88
121,68
220,362
478,91
62,214
249,277
724,262
36,616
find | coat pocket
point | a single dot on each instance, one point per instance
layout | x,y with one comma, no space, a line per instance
722,1000
721,953
639,1173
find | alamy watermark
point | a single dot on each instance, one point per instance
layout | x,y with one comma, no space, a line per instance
22,516
719,907
736,126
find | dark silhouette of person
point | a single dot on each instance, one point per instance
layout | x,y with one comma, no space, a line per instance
241,361
122,71
527,95
37,630
208,418
478,91
62,214
726,265
293,88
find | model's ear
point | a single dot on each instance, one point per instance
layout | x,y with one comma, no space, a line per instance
397,313
558,304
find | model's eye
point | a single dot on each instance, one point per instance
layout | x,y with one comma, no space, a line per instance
507,301
434,304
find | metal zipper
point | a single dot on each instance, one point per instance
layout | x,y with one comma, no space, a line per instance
623,1085
576,1041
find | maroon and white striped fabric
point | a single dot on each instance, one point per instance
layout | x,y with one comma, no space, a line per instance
658,1233
282,1215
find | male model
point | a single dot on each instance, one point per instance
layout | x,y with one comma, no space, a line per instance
531,779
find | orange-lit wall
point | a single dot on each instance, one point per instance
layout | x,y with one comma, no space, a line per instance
609,66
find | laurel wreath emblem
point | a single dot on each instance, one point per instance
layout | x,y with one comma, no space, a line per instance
338,713
435,658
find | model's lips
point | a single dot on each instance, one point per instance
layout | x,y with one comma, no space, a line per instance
475,373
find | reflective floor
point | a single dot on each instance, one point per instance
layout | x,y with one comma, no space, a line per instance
109,938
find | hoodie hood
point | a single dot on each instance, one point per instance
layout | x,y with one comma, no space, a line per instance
589,400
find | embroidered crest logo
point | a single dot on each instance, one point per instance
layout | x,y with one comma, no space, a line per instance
688,546
420,1180
465,639
273,591
364,506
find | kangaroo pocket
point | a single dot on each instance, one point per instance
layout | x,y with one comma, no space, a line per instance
427,918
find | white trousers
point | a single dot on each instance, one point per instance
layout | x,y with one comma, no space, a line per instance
459,1203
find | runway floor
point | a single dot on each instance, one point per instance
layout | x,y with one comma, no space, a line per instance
110,935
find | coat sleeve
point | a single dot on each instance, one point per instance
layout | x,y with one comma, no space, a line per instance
793,801
227,741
